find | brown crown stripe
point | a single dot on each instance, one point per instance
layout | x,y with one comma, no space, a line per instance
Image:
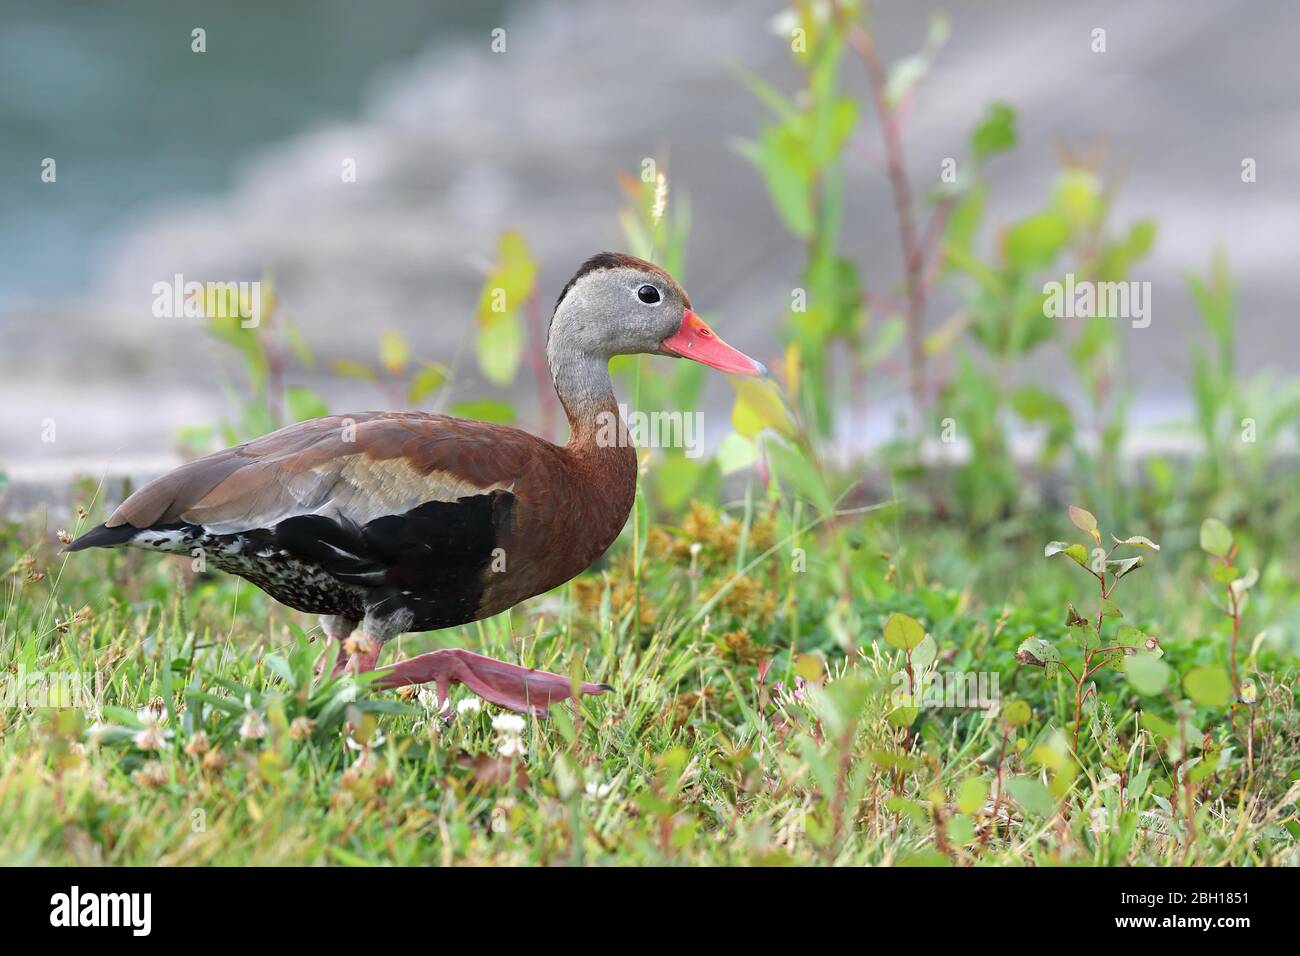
615,260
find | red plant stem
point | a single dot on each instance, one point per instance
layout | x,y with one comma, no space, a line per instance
540,368
891,131
1236,629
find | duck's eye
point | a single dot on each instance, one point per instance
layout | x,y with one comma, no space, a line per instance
648,294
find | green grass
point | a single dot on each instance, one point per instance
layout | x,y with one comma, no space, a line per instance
696,757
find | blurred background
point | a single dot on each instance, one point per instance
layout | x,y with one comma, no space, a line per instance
225,165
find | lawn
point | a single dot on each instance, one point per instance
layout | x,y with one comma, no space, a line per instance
759,715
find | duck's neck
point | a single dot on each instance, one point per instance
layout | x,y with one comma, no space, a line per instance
583,384
599,445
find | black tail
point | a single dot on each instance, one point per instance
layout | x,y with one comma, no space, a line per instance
103,537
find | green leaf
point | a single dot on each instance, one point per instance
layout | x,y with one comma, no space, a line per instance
1216,539
994,133
1122,566
1073,618
810,667
1017,713
964,222
1110,609
500,349
280,667
302,403
1147,674
925,653
1208,686
735,453
758,407
1225,573
798,475
1077,196
1077,552
1137,541
1031,795
510,282
781,156
1161,728
1082,519
430,378
1033,243
486,410
960,830
972,794
1038,405
1039,653
394,353
903,632
907,72
350,369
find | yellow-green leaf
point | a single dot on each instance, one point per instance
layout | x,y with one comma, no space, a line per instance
903,631
394,353
759,406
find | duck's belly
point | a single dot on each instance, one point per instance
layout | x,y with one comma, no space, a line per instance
433,597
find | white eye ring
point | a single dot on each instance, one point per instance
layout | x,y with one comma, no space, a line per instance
649,294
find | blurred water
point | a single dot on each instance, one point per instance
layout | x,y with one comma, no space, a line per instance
113,92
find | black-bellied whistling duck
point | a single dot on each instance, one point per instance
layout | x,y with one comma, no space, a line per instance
405,521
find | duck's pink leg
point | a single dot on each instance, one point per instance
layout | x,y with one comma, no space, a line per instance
516,688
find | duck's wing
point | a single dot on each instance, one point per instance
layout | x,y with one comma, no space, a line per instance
349,468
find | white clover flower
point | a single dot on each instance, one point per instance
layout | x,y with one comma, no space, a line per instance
375,742
508,724
253,727
469,707
599,790
154,712
1100,821
509,728
150,738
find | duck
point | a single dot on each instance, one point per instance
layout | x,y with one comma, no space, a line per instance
390,522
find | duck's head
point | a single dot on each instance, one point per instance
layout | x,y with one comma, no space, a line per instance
618,304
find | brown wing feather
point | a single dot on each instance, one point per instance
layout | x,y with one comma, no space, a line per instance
352,466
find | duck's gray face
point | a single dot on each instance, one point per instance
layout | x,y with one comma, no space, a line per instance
631,307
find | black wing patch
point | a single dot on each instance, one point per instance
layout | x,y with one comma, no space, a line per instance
429,561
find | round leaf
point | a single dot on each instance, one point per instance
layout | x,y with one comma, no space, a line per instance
1208,686
903,632
1016,713
971,796
1216,539
1147,673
